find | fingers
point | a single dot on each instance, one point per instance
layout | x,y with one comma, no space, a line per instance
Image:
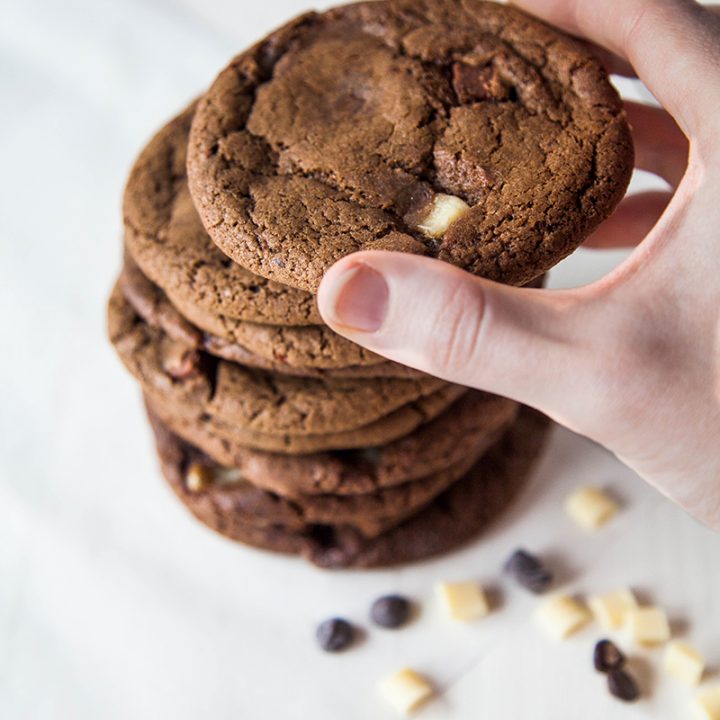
614,64
634,218
439,319
674,45
660,146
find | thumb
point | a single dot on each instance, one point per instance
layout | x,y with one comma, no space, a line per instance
526,344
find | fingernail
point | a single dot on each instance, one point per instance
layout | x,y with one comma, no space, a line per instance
361,299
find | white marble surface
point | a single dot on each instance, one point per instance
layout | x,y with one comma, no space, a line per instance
114,604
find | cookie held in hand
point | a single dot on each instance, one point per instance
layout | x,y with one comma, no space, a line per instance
469,132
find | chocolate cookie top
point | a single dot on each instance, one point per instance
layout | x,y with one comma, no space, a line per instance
248,399
463,130
453,518
166,238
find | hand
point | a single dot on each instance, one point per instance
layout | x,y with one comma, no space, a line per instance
632,361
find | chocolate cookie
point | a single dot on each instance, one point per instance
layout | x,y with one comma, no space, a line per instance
166,238
465,430
391,427
369,513
453,518
258,403
154,307
311,347
467,131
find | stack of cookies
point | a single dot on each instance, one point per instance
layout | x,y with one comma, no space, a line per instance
460,130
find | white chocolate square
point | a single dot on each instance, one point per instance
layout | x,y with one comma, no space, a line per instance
590,508
443,211
561,616
406,690
706,705
648,625
463,601
611,609
197,477
684,663
227,476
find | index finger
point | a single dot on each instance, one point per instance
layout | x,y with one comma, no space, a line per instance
674,45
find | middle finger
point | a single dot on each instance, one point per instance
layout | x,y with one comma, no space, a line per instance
660,146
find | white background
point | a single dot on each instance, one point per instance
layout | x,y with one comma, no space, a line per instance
113,602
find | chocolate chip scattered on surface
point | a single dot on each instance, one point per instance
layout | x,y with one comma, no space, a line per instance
391,611
335,635
622,685
529,572
607,657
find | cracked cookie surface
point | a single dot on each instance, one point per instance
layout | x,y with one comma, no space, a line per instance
165,237
336,133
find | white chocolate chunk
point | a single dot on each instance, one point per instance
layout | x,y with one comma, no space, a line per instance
648,625
464,600
227,476
561,616
197,477
406,690
443,211
684,662
590,508
706,705
611,609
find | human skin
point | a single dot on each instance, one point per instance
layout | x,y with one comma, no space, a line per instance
633,360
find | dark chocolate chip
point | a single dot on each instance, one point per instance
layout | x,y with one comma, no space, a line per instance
335,635
477,83
608,657
390,611
623,686
529,572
